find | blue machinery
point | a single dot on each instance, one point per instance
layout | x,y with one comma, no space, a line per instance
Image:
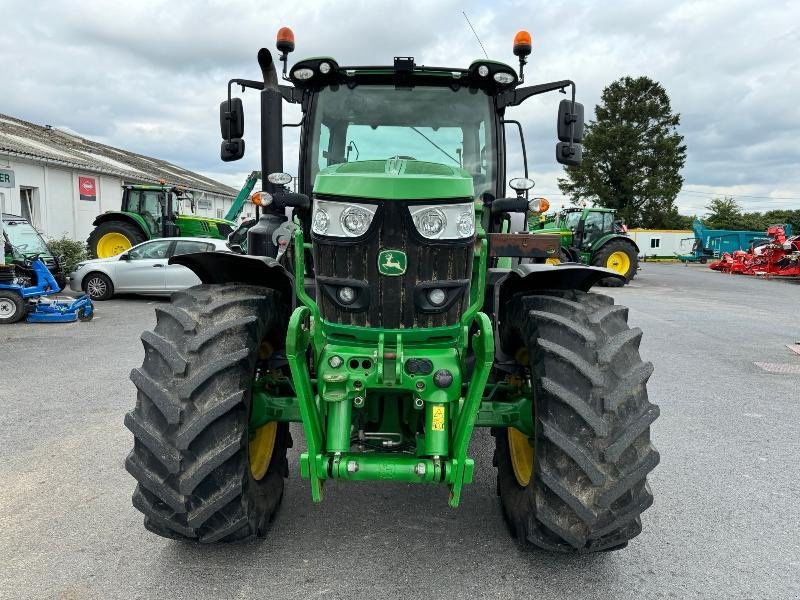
713,243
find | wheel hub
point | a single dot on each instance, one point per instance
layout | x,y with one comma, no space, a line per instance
619,262
521,451
112,244
96,287
262,444
7,308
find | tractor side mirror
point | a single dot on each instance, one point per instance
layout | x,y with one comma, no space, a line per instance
570,121
231,125
231,119
570,156
231,150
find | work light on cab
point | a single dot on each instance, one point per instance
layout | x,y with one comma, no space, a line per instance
279,178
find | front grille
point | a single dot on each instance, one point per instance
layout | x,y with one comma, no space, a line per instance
392,302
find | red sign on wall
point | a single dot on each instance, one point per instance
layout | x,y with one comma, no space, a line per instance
88,188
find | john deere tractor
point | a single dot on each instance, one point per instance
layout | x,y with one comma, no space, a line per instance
593,236
379,320
150,211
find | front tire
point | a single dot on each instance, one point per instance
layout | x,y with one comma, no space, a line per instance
13,307
618,255
98,286
193,456
582,486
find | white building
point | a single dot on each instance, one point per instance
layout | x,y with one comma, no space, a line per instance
662,243
49,165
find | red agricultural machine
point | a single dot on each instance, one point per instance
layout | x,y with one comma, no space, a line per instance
780,256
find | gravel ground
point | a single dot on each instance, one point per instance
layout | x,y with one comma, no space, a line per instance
724,525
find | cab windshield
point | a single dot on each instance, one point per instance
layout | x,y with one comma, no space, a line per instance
24,238
434,124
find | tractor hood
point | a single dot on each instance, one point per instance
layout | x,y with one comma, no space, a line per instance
394,179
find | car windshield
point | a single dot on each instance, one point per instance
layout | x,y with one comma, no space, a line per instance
24,237
434,124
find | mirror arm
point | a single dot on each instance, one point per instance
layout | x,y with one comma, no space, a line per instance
518,96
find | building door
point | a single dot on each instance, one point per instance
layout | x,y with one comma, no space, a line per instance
29,205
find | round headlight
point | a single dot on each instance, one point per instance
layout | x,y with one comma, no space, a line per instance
303,74
355,220
321,222
346,295
437,296
324,68
430,223
483,70
503,78
279,178
335,361
466,224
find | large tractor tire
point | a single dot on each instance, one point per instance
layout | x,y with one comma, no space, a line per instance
620,256
113,237
201,473
579,484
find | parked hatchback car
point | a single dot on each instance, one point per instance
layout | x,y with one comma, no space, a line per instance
143,269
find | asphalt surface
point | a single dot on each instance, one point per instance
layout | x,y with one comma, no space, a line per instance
724,525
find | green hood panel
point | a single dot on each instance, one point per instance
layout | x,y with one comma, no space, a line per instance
394,179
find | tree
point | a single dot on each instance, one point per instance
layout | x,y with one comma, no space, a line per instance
632,155
724,213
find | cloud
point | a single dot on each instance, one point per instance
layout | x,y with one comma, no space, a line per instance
148,76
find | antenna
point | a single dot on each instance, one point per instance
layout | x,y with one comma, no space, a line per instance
475,33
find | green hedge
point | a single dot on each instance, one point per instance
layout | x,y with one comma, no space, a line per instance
70,251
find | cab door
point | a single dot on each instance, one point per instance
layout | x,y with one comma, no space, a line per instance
144,268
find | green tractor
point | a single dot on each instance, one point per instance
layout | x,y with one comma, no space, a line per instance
376,319
593,236
148,212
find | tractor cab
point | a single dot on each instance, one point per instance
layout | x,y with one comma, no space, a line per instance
156,205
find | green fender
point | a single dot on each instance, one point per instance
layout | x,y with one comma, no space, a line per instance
132,218
613,236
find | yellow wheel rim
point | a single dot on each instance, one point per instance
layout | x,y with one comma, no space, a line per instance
112,244
261,447
519,447
619,262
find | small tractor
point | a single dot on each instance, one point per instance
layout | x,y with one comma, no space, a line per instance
593,236
378,320
23,243
148,212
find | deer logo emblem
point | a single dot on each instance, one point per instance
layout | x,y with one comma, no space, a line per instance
391,262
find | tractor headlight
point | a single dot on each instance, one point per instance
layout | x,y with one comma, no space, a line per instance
444,221
430,222
355,220
320,222
341,219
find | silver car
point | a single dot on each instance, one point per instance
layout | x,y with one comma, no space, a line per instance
143,269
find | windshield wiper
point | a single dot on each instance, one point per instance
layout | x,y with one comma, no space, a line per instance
437,146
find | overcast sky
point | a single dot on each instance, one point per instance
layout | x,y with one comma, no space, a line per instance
148,76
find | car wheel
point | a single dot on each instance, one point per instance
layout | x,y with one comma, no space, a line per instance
98,286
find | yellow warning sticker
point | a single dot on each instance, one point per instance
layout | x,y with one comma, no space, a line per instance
438,418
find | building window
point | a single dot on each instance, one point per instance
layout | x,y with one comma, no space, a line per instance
655,242
29,205
219,213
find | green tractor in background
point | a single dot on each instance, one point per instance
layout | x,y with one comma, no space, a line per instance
593,236
380,319
148,212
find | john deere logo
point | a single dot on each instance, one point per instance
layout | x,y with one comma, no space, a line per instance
391,262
